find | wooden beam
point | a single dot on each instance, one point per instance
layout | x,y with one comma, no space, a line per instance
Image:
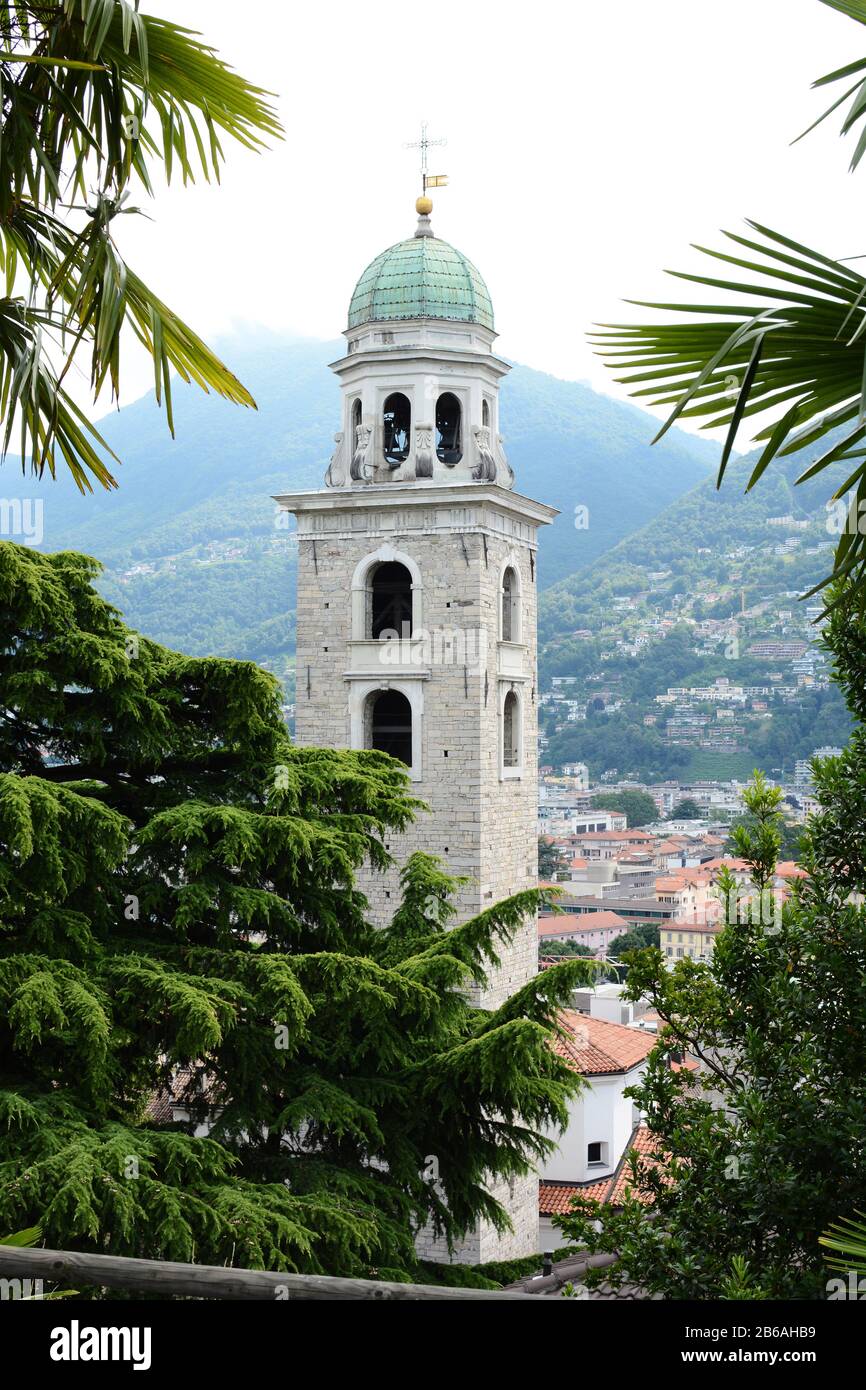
73,1270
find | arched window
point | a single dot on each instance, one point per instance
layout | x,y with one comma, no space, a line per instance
449,448
383,568
485,413
397,429
389,724
391,600
356,420
510,621
511,731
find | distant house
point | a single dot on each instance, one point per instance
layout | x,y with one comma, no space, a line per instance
602,1120
690,893
608,844
691,939
595,932
558,1198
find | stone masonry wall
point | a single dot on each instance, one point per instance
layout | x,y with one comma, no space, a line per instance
483,825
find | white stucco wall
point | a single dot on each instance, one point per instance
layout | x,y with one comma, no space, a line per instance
601,1114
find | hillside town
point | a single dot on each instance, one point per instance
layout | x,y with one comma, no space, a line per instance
713,667
609,877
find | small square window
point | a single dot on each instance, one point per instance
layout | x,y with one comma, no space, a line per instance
596,1155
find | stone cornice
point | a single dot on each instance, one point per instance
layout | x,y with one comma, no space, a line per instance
434,355
380,497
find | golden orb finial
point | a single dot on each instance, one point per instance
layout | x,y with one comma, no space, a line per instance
424,205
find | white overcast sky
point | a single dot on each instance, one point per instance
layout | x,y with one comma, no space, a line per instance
588,145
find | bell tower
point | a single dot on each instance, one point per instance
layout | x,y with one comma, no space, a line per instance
416,617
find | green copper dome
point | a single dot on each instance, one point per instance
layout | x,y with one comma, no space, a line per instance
421,278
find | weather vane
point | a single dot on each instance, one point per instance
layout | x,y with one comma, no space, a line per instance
424,144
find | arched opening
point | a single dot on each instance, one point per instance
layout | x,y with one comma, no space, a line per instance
485,413
390,724
356,420
511,731
449,448
397,429
510,621
391,600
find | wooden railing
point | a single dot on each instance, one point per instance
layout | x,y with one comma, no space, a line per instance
69,1269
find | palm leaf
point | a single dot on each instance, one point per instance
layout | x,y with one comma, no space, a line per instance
848,1238
23,1239
47,61
796,356
854,9
95,93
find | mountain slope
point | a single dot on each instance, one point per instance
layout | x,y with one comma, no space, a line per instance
188,540
707,591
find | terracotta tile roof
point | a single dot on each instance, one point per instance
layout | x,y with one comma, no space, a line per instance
623,835
159,1108
557,923
594,1047
788,868
189,1086
672,884
647,1146
556,1198
684,878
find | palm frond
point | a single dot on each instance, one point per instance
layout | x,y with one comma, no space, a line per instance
796,356
847,1238
94,95
48,421
23,1239
854,9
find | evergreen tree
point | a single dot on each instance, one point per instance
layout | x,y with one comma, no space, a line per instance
563,948
177,899
639,808
687,809
637,938
551,860
766,1148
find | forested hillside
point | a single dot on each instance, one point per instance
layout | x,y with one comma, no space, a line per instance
188,540
683,603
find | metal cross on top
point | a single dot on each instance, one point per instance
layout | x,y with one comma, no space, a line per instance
424,144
